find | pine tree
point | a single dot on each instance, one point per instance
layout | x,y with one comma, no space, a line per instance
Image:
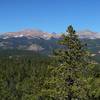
70,78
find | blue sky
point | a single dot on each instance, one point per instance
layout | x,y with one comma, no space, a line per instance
49,15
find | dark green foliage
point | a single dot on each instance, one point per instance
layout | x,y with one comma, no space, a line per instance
70,74
21,75
71,78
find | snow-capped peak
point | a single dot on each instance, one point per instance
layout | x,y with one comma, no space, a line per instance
88,34
32,33
29,33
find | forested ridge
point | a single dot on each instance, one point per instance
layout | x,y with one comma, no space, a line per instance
69,74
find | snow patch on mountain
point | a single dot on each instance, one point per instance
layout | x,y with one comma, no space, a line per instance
88,34
32,33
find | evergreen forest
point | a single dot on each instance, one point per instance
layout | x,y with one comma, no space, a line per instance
70,73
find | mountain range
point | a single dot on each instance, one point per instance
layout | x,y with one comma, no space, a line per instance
39,41
33,33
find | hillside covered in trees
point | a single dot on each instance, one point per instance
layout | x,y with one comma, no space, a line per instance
69,74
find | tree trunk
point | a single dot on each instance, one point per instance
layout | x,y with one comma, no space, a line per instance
69,96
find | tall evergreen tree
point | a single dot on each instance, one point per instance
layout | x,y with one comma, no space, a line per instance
70,78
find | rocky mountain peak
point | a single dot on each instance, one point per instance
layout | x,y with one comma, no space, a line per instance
88,34
34,33
30,33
